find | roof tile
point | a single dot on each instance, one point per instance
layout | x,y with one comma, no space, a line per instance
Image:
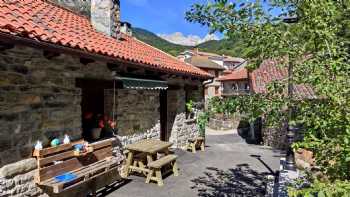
43,21
239,74
270,71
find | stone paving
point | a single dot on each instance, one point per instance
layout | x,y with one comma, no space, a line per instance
228,167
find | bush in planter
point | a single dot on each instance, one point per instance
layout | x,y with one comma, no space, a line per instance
202,121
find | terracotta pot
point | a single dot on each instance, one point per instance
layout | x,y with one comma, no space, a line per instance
96,133
305,156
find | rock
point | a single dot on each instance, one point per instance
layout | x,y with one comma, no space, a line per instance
20,167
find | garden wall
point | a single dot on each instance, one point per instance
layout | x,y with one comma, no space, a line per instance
275,137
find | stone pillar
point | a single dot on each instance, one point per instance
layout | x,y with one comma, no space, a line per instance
105,16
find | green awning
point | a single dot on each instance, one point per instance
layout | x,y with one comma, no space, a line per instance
142,84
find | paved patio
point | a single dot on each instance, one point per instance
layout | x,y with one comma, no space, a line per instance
228,167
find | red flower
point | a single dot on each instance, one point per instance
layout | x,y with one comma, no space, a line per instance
112,124
88,115
101,124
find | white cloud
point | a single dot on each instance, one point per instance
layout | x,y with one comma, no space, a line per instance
190,40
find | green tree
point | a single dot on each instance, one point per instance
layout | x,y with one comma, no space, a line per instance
318,48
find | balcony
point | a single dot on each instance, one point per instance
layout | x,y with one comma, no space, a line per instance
230,92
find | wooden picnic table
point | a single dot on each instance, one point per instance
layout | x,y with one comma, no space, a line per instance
150,147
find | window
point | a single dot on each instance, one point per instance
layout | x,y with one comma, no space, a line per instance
216,73
247,86
216,90
234,86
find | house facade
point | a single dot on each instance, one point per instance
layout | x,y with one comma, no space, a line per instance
212,87
235,82
231,77
63,60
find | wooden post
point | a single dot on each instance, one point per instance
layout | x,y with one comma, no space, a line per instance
128,162
175,169
159,177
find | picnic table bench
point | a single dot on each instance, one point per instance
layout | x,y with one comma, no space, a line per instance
194,143
156,167
146,151
86,167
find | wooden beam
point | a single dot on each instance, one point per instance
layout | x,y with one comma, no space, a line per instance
150,72
185,77
49,54
112,66
6,46
86,61
131,70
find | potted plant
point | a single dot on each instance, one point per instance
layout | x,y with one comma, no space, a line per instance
97,125
190,110
109,127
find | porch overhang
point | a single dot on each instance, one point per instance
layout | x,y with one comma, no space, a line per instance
142,84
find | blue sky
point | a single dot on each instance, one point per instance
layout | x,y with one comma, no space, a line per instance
161,16
167,19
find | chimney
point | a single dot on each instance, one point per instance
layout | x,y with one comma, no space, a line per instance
105,16
196,51
125,28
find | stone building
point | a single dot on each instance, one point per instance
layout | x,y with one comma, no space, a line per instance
235,82
223,68
57,64
211,88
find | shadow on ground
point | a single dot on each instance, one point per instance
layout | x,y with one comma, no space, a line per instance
240,181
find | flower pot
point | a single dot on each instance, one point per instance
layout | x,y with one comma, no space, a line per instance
96,133
304,158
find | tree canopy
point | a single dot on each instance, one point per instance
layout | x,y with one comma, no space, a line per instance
313,36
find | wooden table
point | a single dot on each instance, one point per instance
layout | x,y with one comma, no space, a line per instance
150,147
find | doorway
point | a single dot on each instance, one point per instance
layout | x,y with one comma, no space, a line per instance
163,115
92,103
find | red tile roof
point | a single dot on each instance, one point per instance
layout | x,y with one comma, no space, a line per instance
239,74
269,71
45,22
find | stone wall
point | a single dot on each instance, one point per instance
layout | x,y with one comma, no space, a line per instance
182,130
275,137
39,99
218,123
153,133
137,111
18,179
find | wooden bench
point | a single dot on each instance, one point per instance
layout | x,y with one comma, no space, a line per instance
139,163
195,143
97,161
156,168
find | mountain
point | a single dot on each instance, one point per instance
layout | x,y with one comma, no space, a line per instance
221,47
158,42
